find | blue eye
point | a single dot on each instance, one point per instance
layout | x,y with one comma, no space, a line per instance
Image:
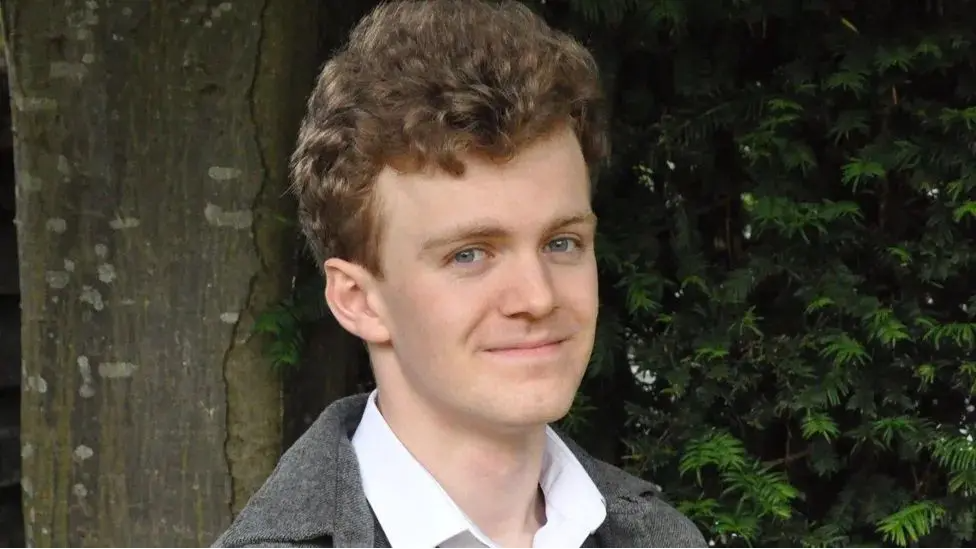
469,255
562,245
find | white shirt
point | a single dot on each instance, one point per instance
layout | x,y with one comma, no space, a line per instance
415,511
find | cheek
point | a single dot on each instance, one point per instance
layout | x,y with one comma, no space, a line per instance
434,310
580,289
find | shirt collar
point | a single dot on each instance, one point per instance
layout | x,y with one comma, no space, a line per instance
409,504
415,511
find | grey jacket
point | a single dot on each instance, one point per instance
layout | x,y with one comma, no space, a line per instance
314,498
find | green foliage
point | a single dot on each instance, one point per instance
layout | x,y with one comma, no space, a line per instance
911,523
787,249
284,325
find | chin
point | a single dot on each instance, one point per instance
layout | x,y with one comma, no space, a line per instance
522,392
536,407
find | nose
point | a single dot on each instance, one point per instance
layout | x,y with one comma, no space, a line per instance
529,289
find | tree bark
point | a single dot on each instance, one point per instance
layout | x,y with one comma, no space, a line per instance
151,147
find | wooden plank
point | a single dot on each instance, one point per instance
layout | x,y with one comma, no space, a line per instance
9,437
6,131
9,457
11,518
9,273
9,343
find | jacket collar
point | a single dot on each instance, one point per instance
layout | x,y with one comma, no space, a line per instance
315,491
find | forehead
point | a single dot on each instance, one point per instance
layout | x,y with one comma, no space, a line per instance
545,181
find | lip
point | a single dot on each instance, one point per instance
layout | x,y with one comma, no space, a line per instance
528,348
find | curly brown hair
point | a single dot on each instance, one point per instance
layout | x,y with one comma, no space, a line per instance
421,83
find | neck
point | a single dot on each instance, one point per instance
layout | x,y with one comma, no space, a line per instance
492,476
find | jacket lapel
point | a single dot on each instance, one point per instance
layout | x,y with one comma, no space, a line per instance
314,494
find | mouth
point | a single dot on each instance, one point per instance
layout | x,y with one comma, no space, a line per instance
528,349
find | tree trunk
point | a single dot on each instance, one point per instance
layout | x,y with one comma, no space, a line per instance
151,147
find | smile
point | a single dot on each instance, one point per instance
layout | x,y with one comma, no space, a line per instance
528,350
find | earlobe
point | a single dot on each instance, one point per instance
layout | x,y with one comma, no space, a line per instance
347,292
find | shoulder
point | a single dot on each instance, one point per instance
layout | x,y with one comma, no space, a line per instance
314,496
324,542
639,514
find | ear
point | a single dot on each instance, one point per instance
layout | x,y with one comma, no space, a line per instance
348,292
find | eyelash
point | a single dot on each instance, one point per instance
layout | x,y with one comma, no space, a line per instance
578,242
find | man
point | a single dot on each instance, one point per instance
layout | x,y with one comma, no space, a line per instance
443,174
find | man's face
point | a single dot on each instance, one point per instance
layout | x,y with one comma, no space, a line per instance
489,293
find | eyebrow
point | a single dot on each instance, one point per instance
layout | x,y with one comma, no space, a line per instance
490,229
